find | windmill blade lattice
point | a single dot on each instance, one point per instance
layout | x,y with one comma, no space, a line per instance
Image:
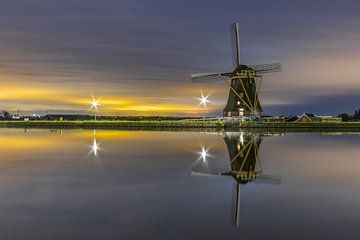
267,68
209,77
235,43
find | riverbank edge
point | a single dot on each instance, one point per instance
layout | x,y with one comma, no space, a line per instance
182,124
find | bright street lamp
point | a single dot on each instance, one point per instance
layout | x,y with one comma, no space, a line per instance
94,104
203,101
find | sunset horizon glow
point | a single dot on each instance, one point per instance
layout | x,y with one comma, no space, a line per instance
139,57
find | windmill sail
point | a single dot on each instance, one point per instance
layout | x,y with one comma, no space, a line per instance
209,77
267,68
268,179
235,42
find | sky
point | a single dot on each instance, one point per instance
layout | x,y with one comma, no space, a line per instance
137,55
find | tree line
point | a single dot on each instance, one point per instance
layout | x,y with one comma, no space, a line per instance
4,115
348,117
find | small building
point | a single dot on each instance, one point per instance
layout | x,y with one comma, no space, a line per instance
330,119
309,117
273,118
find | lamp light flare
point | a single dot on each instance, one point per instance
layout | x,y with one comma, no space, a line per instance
95,103
204,99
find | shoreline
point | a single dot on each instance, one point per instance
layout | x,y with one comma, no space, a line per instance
187,125
121,124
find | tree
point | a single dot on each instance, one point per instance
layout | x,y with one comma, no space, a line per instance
357,115
5,115
345,117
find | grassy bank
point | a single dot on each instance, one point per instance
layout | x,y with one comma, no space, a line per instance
181,124
117,124
300,125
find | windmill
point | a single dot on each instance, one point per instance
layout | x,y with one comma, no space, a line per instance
245,81
245,165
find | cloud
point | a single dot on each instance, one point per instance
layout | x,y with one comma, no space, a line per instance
146,50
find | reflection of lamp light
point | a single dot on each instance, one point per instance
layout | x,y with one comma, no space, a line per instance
242,138
95,147
94,104
204,154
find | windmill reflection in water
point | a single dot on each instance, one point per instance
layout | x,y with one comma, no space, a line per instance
245,164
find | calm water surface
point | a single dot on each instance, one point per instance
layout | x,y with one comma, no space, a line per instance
83,184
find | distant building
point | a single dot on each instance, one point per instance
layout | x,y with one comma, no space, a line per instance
309,117
273,118
330,119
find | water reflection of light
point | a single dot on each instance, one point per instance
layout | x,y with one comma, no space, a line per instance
203,154
95,147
